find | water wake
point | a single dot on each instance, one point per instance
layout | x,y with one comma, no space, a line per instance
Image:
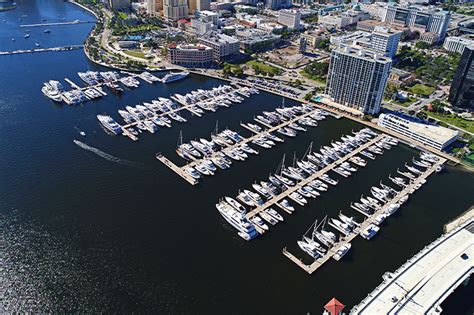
107,156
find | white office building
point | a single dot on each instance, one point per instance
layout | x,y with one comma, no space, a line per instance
385,40
457,44
290,18
433,136
223,45
175,10
418,18
357,78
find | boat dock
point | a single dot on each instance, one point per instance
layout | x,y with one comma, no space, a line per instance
38,50
180,170
316,175
409,189
72,84
176,169
56,23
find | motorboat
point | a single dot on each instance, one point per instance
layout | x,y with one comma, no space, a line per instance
259,222
341,251
245,229
271,212
369,231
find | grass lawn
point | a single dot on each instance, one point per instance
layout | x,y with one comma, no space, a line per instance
135,53
459,122
407,103
422,89
122,15
314,78
263,67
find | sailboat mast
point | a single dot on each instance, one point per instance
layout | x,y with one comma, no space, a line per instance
180,138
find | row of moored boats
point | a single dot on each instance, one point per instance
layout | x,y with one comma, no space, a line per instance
377,206
287,179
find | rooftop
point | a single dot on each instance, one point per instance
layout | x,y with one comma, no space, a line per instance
437,133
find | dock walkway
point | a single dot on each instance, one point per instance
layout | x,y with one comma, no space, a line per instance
370,220
179,171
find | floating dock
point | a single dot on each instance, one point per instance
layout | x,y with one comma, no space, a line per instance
176,169
409,189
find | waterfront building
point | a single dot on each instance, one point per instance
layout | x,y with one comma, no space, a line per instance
422,19
190,55
154,6
119,4
175,10
357,78
457,44
461,93
224,46
290,18
433,136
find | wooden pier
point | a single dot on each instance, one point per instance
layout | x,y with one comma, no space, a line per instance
176,169
409,189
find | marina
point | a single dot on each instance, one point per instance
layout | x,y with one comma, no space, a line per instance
112,211
369,226
229,145
96,81
291,183
162,111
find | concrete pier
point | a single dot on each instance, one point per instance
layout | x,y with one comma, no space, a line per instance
176,169
38,50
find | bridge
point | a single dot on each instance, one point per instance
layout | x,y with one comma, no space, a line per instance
421,284
37,50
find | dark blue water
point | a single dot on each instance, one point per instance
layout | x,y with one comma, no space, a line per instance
83,233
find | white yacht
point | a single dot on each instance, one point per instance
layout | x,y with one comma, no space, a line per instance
272,212
235,204
309,248
259,222
246,229
369,232
53,90
341,251
110,124
174,76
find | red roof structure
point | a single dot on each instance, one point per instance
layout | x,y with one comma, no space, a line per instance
334,306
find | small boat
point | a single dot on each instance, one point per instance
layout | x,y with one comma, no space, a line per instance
274,214
259,222
341,251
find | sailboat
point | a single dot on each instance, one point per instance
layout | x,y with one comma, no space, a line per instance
308,243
